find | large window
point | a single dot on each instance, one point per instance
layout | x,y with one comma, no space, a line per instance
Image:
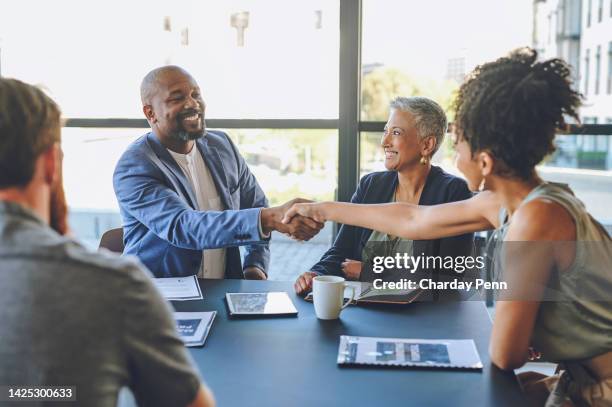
426,48
253,59
406,56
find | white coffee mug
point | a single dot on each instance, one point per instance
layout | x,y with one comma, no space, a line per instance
328,294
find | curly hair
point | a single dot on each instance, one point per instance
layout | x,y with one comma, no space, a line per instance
29,124
513,107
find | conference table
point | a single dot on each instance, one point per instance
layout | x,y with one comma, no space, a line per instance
291,361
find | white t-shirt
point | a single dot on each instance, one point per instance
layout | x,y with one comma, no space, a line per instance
196,171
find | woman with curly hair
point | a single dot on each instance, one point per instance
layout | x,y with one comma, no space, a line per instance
508,112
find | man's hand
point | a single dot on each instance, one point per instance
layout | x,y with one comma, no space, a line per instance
303,284
254,273
351,269
314,211
300,228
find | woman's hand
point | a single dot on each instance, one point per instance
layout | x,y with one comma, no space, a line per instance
351,269
314,211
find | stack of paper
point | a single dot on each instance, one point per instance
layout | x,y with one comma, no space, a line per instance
179,288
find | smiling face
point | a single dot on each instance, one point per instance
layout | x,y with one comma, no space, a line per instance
401,142
176,108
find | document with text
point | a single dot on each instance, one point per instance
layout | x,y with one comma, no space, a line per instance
179,288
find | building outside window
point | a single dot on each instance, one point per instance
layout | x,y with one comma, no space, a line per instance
597,68
587,67
609,85
588,16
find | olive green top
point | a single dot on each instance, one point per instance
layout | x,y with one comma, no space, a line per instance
577,324
382,244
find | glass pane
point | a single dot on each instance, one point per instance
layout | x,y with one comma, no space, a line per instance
264,59
584,162
90,156
425,48
287,164
291,163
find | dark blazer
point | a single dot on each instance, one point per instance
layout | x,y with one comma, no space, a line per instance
160,221
378,187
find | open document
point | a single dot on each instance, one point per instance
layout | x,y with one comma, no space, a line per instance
438,353
193,327
179,288
366,293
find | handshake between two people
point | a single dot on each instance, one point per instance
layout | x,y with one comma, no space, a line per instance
302,219
292,219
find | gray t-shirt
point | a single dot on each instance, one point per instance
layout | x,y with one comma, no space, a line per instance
69,317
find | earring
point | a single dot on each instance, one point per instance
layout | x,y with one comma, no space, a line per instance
424,160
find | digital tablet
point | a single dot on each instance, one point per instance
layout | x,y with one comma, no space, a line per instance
260,304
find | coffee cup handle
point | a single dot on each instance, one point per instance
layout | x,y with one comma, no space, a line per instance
352,296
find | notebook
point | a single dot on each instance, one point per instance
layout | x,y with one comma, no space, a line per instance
366,293
193,327
437,353
260,304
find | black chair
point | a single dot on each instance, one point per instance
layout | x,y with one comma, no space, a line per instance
113,240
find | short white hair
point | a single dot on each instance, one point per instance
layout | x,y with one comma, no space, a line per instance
429,117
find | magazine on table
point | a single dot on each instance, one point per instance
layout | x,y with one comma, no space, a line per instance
193,327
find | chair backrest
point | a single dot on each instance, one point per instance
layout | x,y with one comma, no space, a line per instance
113,240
